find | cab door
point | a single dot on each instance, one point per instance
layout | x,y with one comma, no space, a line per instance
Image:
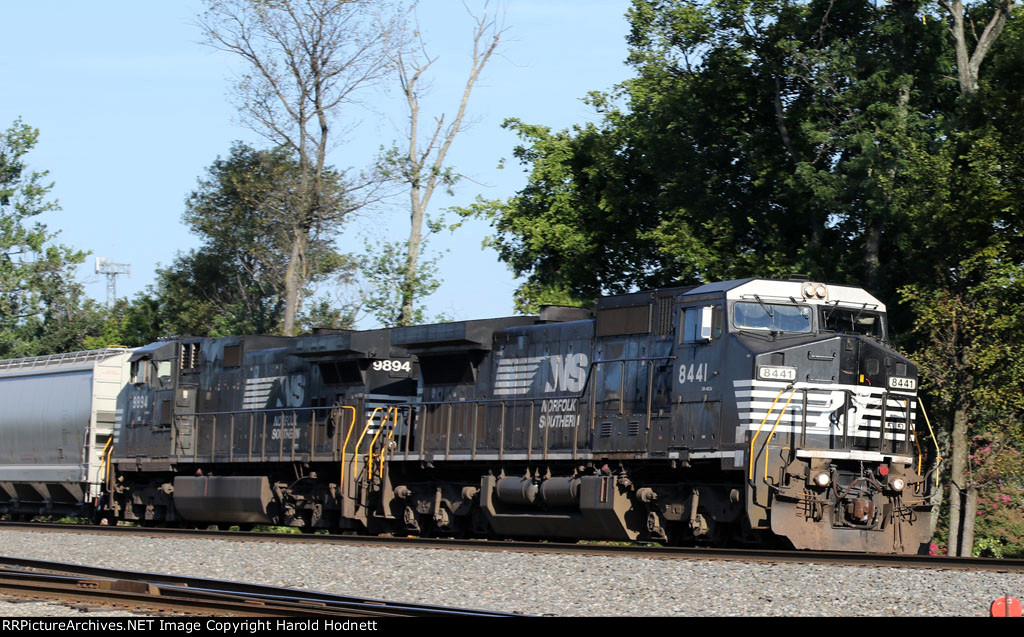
697,381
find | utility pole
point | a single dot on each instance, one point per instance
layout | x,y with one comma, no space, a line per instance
103,266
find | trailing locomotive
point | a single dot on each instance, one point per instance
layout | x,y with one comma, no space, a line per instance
753,411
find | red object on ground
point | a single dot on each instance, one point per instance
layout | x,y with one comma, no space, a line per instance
1007,607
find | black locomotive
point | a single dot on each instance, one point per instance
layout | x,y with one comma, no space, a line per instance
748,411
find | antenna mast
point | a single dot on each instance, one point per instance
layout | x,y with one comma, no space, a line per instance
111,270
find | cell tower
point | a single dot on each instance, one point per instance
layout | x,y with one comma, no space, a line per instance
104,266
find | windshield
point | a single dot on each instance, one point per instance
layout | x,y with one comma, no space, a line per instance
773,317
834,319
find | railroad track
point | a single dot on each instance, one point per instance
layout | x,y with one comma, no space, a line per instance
633,550
150,592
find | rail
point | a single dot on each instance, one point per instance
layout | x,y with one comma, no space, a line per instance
181,594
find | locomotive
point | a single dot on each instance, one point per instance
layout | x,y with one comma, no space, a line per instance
752,411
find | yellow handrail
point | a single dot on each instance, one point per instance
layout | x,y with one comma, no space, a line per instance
344,445
359,442
758,432
772,433
913,436
938,454
373,441
387,443
107,450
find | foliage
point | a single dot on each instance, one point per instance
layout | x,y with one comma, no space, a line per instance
766,137
42,308
304,62
1000,518
385,271
235,283
128,324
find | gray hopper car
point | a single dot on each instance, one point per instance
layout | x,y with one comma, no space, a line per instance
57,420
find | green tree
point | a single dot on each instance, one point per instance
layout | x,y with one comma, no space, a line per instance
387,286
236,281
42,308
758,137
972,365
128,324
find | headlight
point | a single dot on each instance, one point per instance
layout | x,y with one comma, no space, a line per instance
822,479
821,291
897,484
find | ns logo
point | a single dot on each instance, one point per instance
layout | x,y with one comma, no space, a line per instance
563,373
567,373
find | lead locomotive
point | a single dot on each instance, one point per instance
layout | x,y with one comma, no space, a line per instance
754,411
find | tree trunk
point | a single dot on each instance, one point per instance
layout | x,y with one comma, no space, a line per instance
872,254
415,238
958,479
970,510
293,282
968,63
955,511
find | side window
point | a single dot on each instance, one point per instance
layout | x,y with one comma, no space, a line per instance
700,324
141,372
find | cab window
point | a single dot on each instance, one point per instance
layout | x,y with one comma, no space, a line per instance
142,371
849,320
772,317
700,324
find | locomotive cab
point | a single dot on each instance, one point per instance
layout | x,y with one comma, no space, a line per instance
823,411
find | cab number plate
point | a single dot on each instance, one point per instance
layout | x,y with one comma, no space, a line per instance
899,382
776,373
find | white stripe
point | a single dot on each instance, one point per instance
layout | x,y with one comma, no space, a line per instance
870,456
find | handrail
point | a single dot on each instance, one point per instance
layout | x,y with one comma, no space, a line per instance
341,483
359,442
107,452
772,434
758,432
387,443
369,450
935,441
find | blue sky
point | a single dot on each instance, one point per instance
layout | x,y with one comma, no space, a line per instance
132,110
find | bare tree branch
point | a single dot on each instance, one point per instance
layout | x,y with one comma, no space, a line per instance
307,60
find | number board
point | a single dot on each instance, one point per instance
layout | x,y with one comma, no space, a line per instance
898,382
765,372
393,367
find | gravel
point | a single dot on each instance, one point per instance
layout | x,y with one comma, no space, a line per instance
539,584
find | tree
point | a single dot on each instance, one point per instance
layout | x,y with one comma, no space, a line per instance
869,143
420,165
307,60
973,368
236,282
128,324
968,62
387,285
43,309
